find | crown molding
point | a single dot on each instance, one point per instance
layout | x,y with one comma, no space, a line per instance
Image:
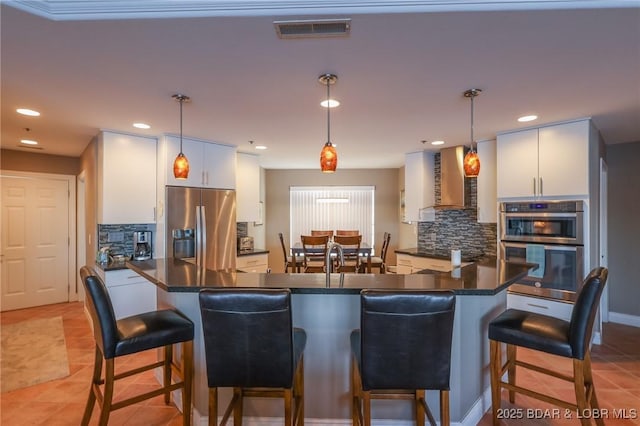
67,10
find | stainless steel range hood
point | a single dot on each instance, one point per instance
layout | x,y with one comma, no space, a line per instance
451,179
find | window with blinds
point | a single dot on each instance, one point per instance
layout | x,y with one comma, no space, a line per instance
332,208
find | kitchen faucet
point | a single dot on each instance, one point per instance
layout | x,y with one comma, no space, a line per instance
327,259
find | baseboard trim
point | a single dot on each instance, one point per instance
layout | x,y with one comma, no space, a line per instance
626,319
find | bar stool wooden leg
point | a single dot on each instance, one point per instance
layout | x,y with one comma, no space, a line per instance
213,406
95,379
581,395
588,380
420,414
187,378
495,367
166,368
288,402
511,370
107,396
237,408
445,417
355,394
299,390
366,407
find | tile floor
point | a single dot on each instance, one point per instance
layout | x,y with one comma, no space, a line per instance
616,366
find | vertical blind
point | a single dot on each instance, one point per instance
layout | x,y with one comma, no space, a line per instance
331,208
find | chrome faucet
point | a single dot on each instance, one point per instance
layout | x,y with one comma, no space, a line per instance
327,259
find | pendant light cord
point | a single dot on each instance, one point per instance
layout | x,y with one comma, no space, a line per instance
181,101
328,111
473,95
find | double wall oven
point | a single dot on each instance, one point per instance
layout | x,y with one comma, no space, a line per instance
550,233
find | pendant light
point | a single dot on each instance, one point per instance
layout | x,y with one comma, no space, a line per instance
181,163
328,155
471,162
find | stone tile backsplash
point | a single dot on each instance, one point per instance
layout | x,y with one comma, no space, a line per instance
120,237
459,228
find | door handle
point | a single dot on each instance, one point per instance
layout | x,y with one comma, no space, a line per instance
534,186
541,185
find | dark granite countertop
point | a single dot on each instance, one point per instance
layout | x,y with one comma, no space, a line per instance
487,277
252,252
439,254
112,266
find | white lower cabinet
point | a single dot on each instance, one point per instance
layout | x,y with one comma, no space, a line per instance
130,293
407,264
548,307
253,263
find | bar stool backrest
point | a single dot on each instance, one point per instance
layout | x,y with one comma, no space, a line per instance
584,311
248,337
406,339
105,330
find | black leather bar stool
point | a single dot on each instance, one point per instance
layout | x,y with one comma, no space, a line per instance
252,347
137,333
570,339
403,347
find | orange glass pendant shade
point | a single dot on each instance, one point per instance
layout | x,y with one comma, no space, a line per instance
471,164
181,167
328,158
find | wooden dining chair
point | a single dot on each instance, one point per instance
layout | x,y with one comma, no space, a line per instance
380,262
294,262
314,248
351,246
317,233
347,232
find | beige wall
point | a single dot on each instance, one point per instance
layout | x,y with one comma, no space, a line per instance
277,183
36,162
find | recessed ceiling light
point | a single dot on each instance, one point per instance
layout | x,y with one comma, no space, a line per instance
526,118
437,143
28,142
331,102
26,111
261,147
141,126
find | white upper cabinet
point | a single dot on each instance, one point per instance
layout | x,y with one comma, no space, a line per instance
126,174
563,151
419,184
247,188
551,161
487,183
211,165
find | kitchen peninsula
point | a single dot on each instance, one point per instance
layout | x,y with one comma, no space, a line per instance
328,311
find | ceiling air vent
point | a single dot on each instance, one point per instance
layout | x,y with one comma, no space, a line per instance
313,28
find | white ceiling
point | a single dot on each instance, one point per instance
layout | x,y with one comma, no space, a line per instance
401,74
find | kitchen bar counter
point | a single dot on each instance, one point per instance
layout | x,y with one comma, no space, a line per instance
467,256
329,314
487,277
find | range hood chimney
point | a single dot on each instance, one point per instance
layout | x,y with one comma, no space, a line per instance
451,178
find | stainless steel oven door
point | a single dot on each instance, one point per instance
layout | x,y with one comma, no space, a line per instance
556,228
563,270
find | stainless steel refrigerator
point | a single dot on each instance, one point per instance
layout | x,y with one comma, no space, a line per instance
201,226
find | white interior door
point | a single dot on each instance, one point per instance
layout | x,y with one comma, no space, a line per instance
35,244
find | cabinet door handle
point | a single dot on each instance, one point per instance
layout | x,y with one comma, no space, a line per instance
534,186
537,306
541,185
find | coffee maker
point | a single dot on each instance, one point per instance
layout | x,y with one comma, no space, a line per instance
141,245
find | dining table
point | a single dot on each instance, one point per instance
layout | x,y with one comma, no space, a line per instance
297,253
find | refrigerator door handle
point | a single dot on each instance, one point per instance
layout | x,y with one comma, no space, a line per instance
203,235
198,235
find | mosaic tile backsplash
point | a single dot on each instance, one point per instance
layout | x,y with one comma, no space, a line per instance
458,229
120,237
